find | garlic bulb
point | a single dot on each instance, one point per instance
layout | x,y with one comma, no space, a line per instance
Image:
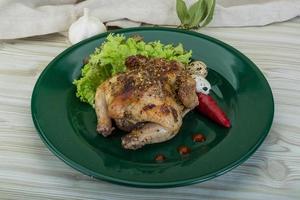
85,27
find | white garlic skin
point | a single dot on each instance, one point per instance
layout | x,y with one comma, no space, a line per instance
85,27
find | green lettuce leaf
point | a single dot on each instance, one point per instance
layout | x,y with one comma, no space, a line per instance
109,59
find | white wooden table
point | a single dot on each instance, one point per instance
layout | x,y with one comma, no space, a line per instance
28,170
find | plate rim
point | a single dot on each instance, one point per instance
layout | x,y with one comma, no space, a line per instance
177,183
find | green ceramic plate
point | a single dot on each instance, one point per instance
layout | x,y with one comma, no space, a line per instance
68,127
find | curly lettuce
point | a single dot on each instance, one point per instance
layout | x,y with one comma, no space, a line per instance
109,59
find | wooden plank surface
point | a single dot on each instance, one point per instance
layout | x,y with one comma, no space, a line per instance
28,170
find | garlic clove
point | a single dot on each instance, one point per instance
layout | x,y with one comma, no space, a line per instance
85,27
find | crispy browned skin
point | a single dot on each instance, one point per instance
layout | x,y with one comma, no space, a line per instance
149,100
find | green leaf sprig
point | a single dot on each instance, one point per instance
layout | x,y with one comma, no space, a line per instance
198,15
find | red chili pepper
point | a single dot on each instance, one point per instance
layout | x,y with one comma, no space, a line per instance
209,107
